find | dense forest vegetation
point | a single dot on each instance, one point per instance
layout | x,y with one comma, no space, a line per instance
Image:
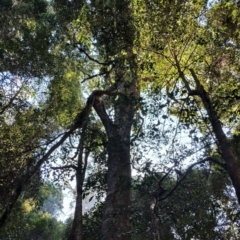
134,102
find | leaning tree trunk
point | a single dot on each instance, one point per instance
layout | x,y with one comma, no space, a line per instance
233,166
230,158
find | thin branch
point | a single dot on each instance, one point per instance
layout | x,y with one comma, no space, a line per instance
65,167
208,159
72,145
98,74
181,74
12,99
93,59
163,177
187,42
92,76
139,129
198,84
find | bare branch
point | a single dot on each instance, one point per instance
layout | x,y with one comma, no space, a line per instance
93,59
107,73
139,129
65,167
182,76
208,159
92,76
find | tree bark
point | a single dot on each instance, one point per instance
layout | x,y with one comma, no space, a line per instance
116,218
10,205
118,39
232,163
77,227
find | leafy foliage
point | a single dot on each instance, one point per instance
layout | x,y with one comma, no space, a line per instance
34,215
167,79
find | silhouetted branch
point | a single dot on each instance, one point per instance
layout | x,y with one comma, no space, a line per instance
93,59
208,159
65,167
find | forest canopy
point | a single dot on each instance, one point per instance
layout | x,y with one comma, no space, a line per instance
135,103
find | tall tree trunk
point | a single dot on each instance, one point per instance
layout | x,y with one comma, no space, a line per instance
116,218
76,230
77,227
233,166
116,40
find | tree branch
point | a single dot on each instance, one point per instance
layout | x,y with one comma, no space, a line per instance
227,152
78,123
139,129
181,74
12,99
93,59
107,73
65,167
208,159
101,111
